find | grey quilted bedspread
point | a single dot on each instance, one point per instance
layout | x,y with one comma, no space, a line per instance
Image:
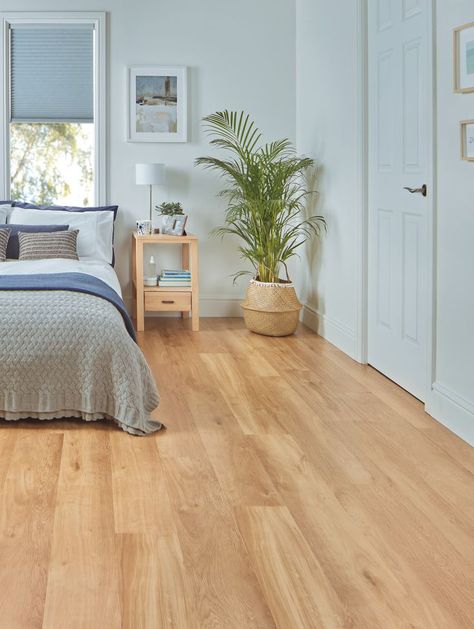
67,354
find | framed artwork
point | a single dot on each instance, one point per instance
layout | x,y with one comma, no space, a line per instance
157,104
464,58
467,140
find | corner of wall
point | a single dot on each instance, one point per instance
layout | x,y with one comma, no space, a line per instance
334,331
343,287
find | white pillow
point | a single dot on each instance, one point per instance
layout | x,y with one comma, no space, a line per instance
94,241
5,211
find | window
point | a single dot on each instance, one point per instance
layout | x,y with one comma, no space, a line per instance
54,79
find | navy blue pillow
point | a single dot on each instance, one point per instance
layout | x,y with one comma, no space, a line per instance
13,247
67,208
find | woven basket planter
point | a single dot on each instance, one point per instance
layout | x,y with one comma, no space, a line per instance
271,309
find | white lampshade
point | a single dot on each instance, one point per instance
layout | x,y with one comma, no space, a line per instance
150,174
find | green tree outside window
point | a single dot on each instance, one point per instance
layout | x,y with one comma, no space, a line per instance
45,159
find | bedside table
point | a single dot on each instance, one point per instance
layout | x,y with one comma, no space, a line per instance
165,298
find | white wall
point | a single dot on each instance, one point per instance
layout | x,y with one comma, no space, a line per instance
241,55
453,397
328,116
328,101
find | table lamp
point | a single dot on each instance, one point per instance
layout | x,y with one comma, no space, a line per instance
150,175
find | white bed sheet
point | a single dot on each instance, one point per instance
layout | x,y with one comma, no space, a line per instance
101,270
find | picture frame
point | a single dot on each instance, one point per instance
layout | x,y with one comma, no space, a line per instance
467,140
463,43
174,225
157,104
144,227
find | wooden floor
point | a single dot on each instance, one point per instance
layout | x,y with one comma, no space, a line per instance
292,489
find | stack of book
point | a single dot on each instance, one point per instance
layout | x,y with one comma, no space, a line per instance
175,278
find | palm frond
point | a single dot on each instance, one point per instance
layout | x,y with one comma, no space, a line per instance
266,192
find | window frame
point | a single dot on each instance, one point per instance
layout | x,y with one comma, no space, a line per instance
98,20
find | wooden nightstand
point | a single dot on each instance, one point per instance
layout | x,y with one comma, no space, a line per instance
164,298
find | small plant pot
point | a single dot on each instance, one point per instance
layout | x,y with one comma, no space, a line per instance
271,309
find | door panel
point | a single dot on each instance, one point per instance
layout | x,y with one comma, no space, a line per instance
384,269
412,99
411,8
411,277
400,118
384,14
386,140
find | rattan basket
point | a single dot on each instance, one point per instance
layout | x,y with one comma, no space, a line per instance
271,309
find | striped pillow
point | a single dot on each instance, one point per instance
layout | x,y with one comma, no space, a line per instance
4,237
39,246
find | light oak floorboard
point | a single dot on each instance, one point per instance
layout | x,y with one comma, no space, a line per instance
367,571
153,583
83,575
299,593
293,488
136,477
27,503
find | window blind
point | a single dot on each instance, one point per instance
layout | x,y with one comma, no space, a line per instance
52,73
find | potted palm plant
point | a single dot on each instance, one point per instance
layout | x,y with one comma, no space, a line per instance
266,195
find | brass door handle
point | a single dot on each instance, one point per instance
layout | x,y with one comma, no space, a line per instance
423,190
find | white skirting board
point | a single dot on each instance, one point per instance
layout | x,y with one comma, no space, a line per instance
332,330
220,307
453,411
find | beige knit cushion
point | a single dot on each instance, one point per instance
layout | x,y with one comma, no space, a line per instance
38,246
4,236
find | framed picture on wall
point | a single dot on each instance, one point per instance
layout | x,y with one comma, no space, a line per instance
467,140
464,58
158,104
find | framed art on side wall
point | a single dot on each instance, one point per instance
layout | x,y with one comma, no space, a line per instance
467,140
157,103
464,58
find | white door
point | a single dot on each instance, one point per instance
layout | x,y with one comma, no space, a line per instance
400,156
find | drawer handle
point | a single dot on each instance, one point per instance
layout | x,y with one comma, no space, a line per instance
167,301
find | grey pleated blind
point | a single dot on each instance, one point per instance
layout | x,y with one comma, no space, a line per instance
52,73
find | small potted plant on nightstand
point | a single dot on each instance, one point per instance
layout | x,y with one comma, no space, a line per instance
173,218
266,193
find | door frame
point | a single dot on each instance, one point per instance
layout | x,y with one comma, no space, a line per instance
362,235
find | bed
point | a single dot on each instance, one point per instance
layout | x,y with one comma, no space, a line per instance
67,345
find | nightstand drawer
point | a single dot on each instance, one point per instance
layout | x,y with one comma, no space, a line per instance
167,301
